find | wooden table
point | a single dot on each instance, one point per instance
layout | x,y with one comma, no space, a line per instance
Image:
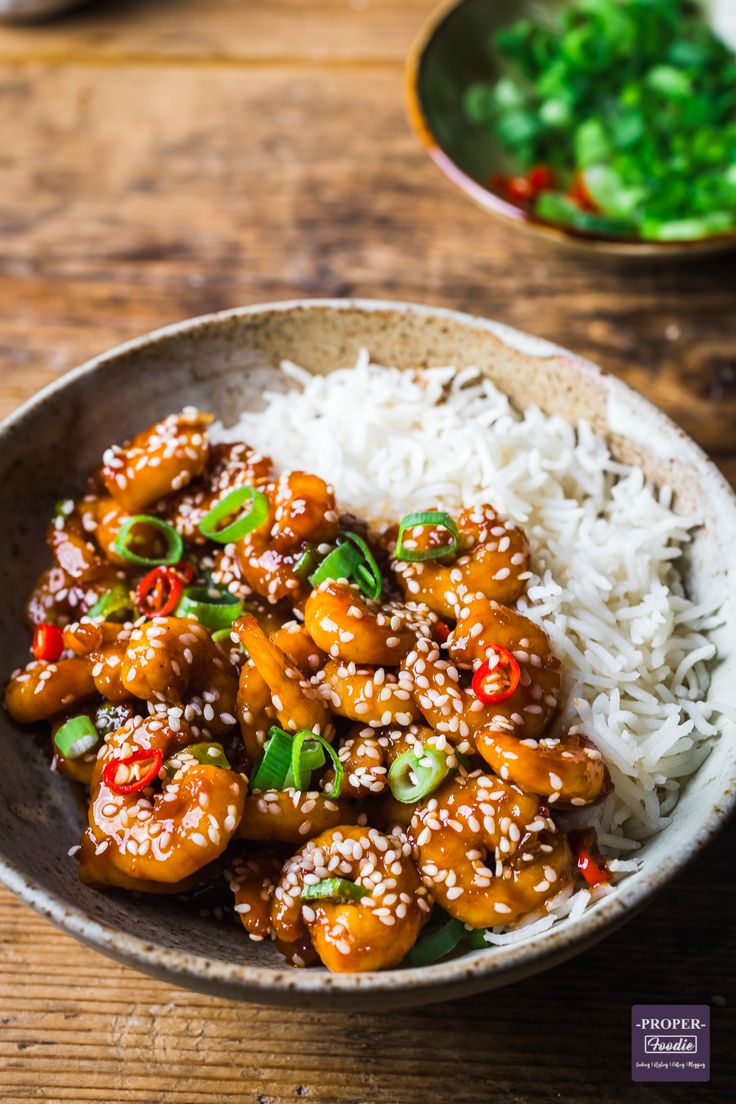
163,158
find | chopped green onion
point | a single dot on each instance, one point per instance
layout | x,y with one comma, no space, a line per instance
412,776
271,771
110,717
436,944
367,574
110,603
427,517
307,562
311,759
334,889
75,738
298,767
226,635
478,939
126,538
215,609
245,523
338,564
352,559
207,753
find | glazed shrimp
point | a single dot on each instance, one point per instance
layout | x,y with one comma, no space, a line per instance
230,465
445,705
373,933
70,546
297,703
292,816
158,461
348,626
568,770
255,709
40,690
371,695
171,659
103,644
301,509
488,852
492,560
528,710
59,598
167,834
253,882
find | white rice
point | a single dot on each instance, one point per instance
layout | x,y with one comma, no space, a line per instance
604,546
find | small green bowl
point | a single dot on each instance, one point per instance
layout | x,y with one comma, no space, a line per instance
450,54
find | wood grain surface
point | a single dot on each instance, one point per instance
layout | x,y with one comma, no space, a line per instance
163,158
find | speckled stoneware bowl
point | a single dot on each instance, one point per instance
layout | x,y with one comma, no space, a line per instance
451,52
223,362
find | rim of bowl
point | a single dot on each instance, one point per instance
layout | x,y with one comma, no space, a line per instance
508,212
469,971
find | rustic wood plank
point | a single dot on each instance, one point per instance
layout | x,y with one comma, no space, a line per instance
238,186
76,1027
158,32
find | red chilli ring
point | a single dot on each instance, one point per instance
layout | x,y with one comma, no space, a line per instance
111,769
167,584
48,642
505,668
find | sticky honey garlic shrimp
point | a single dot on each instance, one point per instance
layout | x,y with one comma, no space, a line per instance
292,816
158,833
349,626
492,560
230,465
71,547
158,461
445,705
41,690
253,882
567,770
297,703
527,711
488,851
173,659
372,933
371,695
301,509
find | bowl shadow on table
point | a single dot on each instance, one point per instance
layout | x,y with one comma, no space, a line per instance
564,1035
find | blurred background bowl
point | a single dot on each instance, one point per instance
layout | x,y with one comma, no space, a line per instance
452,52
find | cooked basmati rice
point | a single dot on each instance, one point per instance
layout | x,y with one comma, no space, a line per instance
634,646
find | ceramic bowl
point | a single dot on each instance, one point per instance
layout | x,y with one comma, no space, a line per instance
223,362
450,53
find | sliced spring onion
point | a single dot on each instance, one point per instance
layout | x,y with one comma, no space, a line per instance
215,609
244,523
478,939
223,636
366,574
307,562
352,559
334,889
312,758
338,564
207,753
412,776
75,738
436,944
298,771
427,517
112,603
271,771
126,539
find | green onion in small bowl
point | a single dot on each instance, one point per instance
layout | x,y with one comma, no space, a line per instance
609,125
